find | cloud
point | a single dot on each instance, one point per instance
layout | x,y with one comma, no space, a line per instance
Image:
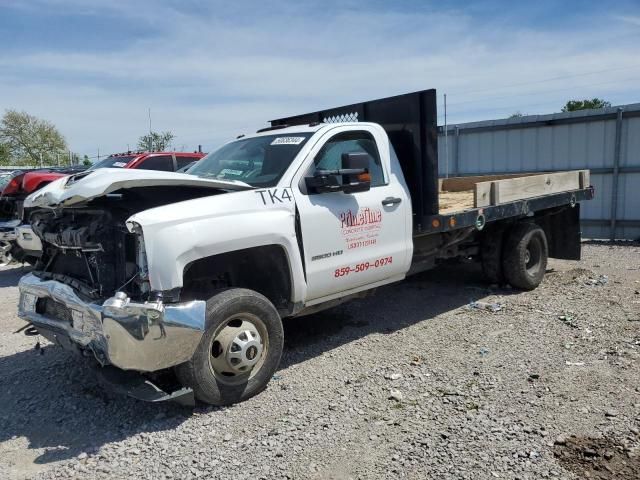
210,71
630,19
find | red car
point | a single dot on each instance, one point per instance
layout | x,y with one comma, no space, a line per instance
164,161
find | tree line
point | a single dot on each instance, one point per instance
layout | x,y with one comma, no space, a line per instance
26,140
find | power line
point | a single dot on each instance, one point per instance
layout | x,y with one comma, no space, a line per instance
499,109
543,92
552,79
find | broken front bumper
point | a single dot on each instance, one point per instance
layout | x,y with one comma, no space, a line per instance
132,336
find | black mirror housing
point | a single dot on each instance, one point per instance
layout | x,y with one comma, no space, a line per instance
322,184
354,173
358,178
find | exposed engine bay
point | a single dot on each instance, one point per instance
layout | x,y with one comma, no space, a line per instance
89,247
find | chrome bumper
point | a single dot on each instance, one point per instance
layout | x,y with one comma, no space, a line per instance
129,335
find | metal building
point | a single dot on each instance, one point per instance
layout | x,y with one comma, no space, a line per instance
606,141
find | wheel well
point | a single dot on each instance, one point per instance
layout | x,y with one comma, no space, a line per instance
263,269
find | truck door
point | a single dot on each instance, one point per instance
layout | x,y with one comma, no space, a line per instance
353,240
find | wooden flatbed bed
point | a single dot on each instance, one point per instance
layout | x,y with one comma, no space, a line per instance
459,194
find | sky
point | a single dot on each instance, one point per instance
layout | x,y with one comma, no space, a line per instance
210,70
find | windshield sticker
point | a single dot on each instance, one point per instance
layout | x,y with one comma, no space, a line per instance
119,164
274,195
228,171
288,141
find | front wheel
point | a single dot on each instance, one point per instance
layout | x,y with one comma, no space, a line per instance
239,351
525,256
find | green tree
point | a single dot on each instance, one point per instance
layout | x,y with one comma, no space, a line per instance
31,140
155,141
517,114
86,161
586,104
5,154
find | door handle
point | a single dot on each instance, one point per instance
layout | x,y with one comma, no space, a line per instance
391,201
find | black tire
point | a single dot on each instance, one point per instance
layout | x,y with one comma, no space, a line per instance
213,387
525,256
491,246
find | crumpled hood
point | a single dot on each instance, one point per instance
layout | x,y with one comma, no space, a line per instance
85,186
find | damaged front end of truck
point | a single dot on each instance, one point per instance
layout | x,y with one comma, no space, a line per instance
90,291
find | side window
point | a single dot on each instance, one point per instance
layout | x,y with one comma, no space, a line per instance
330,156
160,162
184,161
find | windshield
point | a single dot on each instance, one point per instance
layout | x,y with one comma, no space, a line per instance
113,162
5,178
258,161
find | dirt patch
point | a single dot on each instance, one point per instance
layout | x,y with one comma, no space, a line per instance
599,458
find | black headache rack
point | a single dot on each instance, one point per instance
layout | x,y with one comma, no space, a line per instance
410,121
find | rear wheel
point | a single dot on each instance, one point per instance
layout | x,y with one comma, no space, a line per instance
240,350
525,256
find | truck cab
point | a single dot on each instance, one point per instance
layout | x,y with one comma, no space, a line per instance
191,274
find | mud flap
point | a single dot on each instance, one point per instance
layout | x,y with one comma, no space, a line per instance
562,228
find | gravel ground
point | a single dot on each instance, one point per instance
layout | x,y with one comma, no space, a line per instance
411,383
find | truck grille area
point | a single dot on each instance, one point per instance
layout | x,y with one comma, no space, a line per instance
88,249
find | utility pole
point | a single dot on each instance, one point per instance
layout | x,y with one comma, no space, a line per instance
41,164
446,141
150,138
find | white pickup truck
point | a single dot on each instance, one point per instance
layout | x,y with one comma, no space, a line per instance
177,283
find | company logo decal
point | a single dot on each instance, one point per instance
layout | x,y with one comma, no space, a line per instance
361,228
366,216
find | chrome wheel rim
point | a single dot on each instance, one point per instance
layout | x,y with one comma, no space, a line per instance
238,349
5,254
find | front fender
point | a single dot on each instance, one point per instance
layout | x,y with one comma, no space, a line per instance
178,234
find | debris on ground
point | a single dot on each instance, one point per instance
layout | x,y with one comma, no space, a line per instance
395,394
568,320
490,306
600,280
466,408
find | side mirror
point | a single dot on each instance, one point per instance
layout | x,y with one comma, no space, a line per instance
354,176
322,183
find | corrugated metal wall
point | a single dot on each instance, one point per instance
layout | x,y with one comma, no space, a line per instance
593,139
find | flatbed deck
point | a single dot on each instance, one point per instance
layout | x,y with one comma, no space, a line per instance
459,194
451,202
